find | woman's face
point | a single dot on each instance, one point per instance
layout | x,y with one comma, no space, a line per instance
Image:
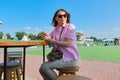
61,18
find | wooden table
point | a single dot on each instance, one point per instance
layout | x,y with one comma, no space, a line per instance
24,44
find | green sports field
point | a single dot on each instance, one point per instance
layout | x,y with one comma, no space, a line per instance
104,53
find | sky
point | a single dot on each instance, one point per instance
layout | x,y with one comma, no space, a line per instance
98,18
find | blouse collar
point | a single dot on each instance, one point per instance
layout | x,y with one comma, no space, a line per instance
62,25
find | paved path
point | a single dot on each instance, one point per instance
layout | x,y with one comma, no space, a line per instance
94,70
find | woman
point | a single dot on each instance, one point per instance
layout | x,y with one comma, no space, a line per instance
63,37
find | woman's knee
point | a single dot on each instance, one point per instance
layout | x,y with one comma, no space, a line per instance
43,67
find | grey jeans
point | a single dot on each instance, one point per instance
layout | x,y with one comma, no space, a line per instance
47,68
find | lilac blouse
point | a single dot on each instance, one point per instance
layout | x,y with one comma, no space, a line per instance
67,31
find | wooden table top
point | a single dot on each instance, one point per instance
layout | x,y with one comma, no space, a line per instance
22,43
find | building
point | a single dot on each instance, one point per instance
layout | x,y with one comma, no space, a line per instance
108,41
80,37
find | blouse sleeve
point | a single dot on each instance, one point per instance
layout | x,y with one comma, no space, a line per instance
71,32
51,34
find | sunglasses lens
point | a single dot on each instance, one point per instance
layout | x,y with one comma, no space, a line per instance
60,16
65,15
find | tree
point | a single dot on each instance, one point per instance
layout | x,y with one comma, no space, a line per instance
8,36
38,37
32,36
20,35
94,38
1,35
116,41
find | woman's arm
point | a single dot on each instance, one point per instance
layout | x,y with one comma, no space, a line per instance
66,43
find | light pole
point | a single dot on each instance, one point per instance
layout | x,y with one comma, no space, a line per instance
1,22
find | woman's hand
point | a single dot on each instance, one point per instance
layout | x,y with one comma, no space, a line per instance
45,36
43,33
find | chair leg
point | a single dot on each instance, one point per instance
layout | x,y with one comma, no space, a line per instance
1,70
18,74
9,74
21,68
15,74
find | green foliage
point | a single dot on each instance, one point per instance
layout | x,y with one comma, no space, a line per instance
32,36
39,37
20,35
8,36
1,35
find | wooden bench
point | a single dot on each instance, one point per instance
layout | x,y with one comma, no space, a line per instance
12,71
16,56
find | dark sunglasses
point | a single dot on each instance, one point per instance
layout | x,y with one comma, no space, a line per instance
60,16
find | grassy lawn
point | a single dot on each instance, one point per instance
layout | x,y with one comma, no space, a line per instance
104,53
39,52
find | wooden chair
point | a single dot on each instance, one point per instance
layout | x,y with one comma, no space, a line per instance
68,70
12,71
16,56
